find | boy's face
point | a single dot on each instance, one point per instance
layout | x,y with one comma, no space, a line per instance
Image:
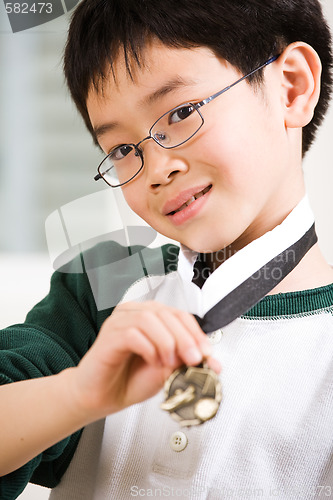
243,154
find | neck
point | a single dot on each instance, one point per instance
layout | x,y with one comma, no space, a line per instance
312,272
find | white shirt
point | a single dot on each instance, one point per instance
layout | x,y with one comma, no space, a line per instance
271,438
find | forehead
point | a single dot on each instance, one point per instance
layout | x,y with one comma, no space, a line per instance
164,78
153,58
158,63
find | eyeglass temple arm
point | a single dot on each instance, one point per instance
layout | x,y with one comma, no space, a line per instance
210,98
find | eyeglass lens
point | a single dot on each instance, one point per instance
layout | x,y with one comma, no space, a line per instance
173,129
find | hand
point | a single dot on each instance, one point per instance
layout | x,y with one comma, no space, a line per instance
137,348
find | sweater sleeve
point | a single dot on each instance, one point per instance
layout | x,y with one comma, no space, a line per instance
56,334
61,328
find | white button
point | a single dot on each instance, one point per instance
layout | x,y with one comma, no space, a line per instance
215,337
178,441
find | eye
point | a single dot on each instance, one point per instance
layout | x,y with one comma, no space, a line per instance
121,152
181,114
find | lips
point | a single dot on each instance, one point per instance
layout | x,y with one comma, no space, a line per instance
185,199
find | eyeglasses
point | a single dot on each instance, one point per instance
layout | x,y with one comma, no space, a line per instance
172,129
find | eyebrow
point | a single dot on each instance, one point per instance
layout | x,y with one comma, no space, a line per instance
150,99
165,89
100,130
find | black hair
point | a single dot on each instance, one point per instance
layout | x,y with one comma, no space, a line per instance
244,32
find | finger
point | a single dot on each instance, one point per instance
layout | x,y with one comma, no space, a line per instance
214,364
160,335
186,346
117,342
158,323
176,334
135,341
199,336
152,328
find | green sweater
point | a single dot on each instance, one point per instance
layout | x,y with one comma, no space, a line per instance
62,327
56,334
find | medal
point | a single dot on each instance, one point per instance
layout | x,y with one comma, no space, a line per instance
192,395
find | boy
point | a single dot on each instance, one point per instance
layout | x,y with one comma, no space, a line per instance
222,175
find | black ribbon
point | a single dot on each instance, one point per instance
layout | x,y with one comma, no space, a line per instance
252,290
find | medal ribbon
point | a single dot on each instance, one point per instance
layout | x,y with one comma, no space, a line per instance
246,277
252,290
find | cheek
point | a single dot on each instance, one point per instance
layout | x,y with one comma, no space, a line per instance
227,149
242,147
135,198
134,202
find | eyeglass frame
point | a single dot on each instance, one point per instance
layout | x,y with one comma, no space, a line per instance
196,106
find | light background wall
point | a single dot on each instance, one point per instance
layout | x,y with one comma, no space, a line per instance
318,171
47,159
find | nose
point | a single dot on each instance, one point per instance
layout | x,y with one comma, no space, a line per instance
162,165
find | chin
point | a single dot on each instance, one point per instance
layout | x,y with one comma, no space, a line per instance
203,247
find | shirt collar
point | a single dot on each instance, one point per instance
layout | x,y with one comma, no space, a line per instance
246,261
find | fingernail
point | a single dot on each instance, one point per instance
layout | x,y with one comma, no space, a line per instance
193,356
206,350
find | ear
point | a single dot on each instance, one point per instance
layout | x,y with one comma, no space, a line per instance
300,77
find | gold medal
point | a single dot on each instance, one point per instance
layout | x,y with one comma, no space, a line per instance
192,395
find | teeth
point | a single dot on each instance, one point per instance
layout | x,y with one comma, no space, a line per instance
192,199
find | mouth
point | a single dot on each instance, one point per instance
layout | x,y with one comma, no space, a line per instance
191,200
